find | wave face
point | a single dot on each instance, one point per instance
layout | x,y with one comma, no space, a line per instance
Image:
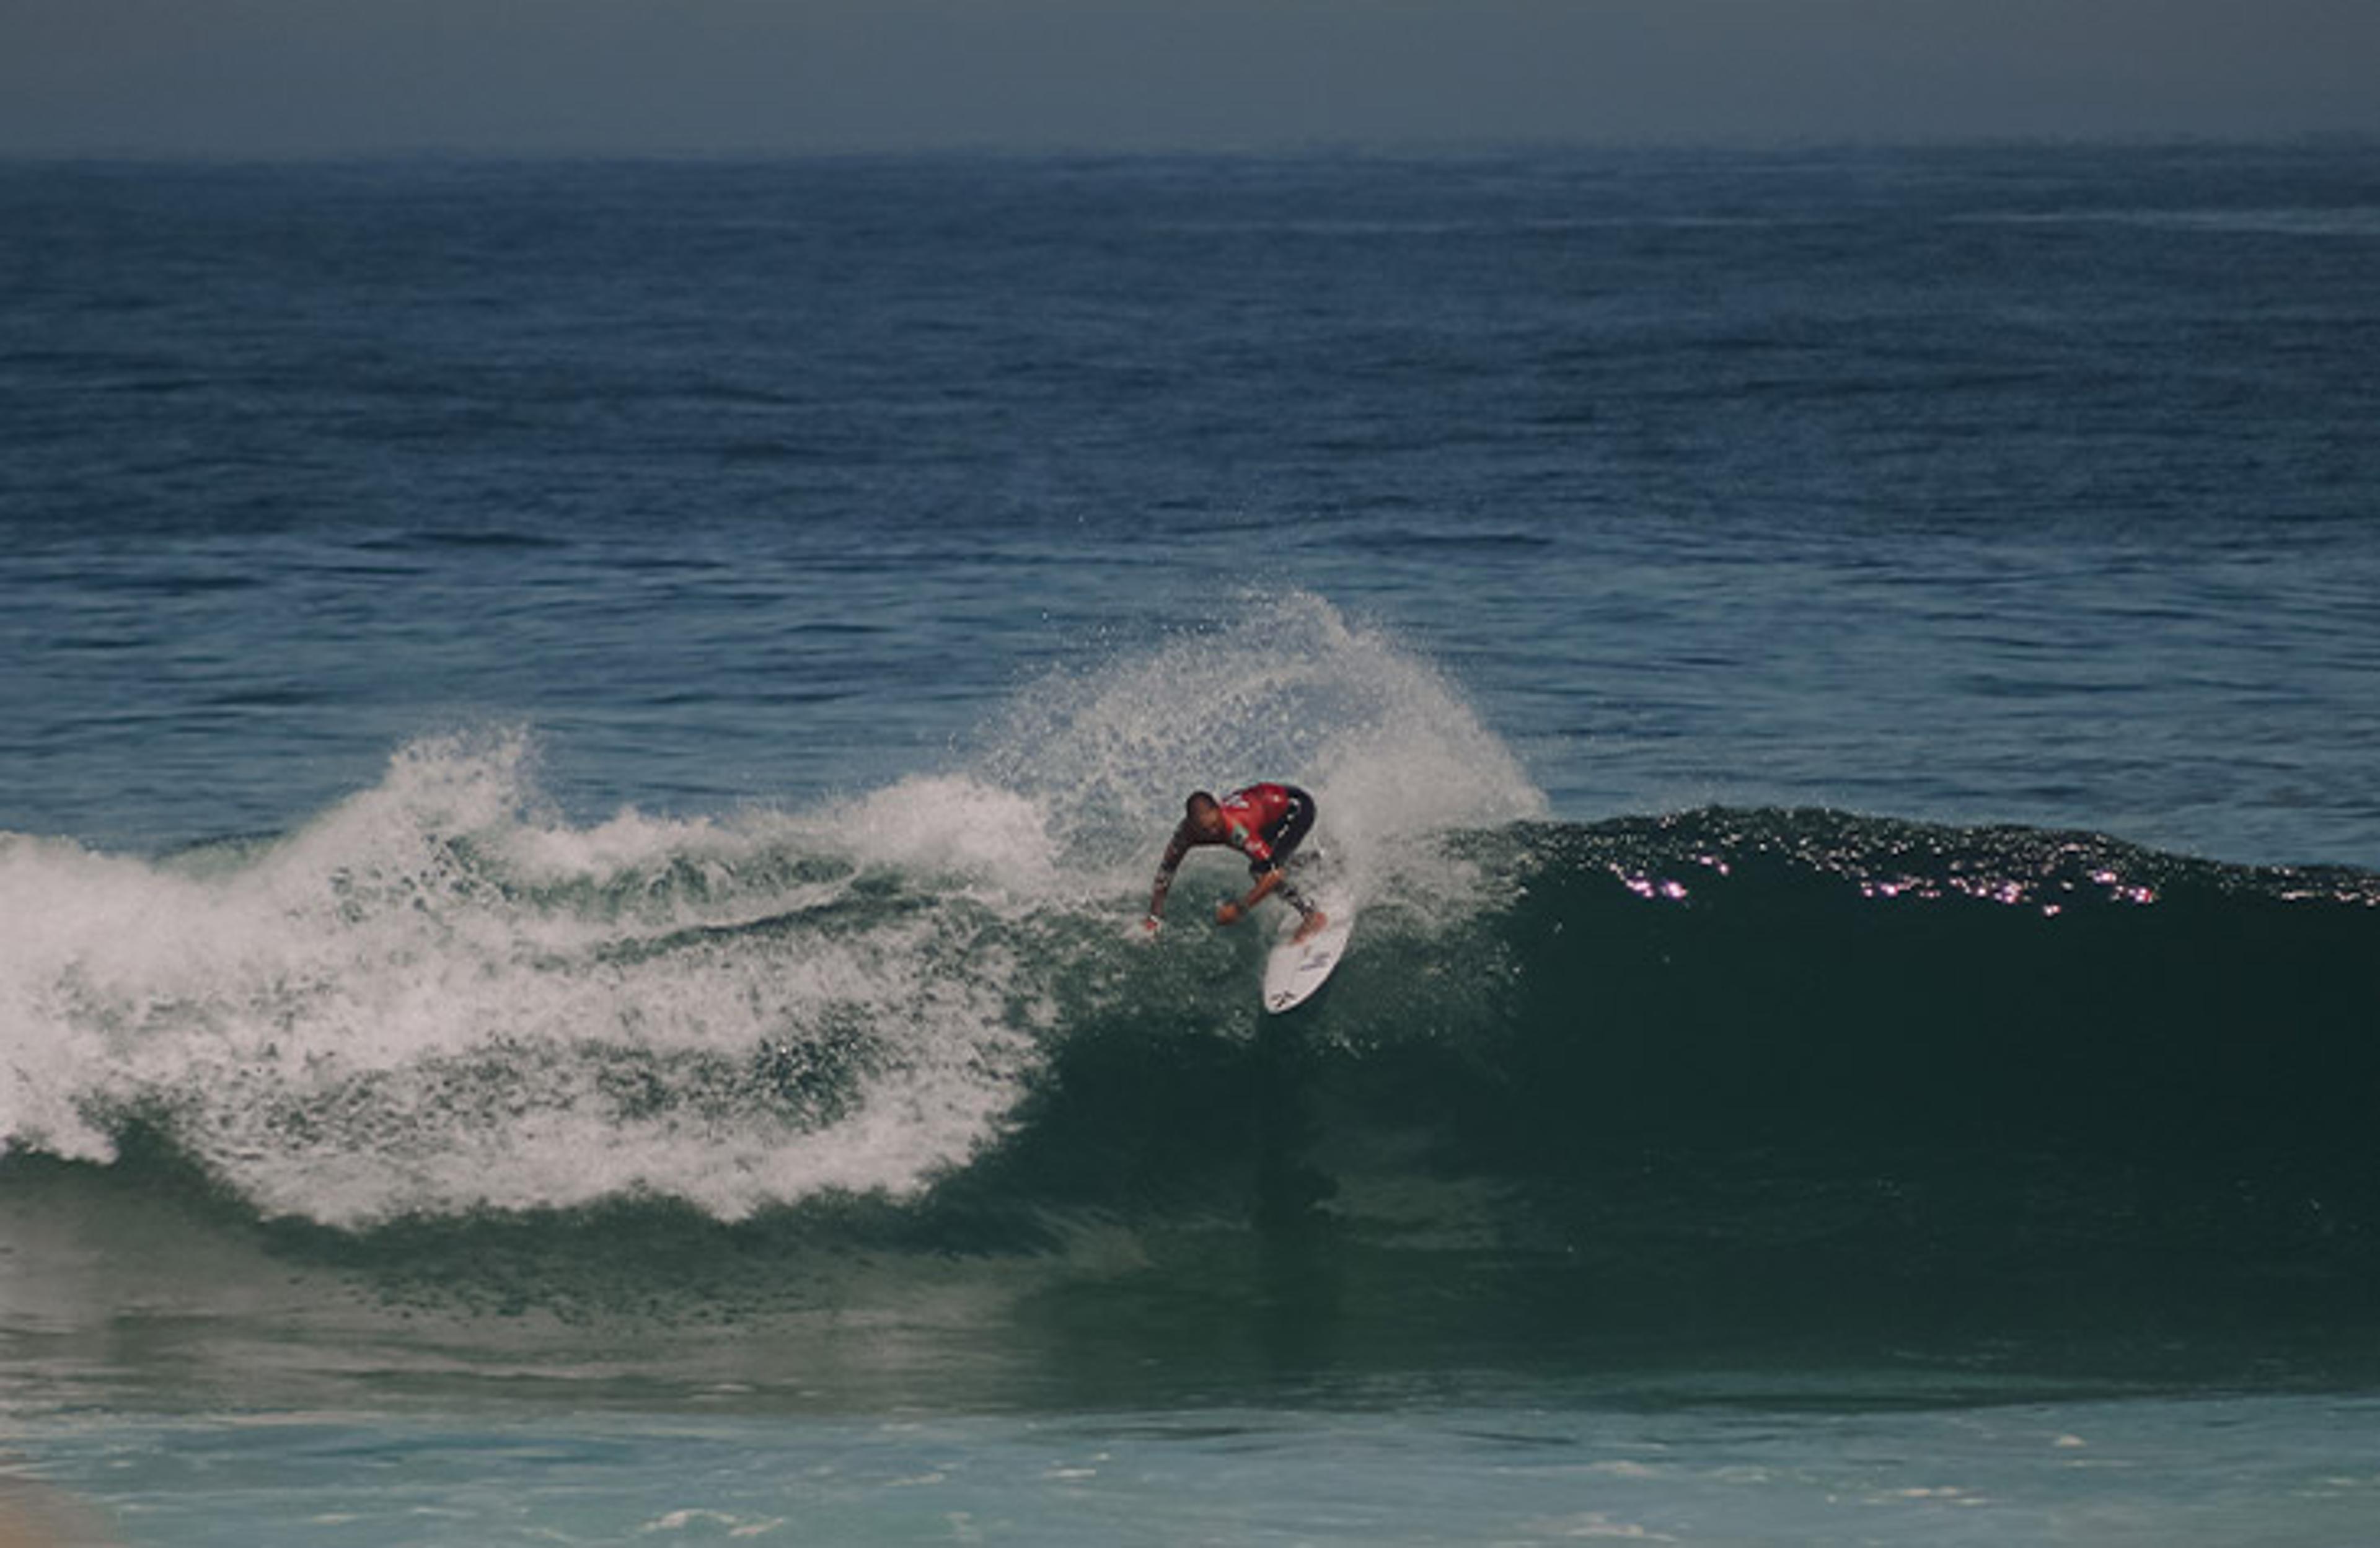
1718,1059
1745,1067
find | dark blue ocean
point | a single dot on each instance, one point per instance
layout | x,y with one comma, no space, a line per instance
581,746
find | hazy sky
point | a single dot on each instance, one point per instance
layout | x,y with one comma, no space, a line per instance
278,76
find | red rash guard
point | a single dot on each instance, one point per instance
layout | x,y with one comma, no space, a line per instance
1249,813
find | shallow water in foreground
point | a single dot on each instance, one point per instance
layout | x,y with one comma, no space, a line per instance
1660,1468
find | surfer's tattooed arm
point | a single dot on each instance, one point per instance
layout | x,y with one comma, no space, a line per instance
1174,851
1268,880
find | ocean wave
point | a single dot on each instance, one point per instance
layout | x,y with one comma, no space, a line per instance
740,1016
443,1026
1719,1069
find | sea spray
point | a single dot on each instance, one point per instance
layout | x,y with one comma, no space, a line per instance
1287,688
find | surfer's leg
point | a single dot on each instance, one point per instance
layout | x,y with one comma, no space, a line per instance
1283,839
1310,918
1291,896
1313,920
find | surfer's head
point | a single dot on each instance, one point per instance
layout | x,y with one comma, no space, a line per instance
1202,816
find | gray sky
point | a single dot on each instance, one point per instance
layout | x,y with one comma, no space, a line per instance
305,76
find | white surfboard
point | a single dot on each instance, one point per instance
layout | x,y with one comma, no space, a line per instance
1296,969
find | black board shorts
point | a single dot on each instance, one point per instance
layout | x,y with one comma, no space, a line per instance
1284,837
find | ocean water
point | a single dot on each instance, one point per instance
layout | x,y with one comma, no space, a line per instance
581,746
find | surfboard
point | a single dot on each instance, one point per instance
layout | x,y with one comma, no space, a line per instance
1296,969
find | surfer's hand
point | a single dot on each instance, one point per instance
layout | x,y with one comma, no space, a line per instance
1227,913
1151,924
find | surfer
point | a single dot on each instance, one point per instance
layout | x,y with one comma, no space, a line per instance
1264,822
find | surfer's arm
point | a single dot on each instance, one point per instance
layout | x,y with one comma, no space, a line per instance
1165,869
1266,881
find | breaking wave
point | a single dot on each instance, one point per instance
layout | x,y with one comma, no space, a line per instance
441,996
1641,1066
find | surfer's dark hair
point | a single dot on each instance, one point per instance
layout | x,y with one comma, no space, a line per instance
1191,806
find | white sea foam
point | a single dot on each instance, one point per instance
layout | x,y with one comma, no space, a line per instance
435,998
441,995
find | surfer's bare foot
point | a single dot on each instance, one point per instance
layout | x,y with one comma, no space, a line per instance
1314,921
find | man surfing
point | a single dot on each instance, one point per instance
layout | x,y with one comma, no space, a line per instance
1264,822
